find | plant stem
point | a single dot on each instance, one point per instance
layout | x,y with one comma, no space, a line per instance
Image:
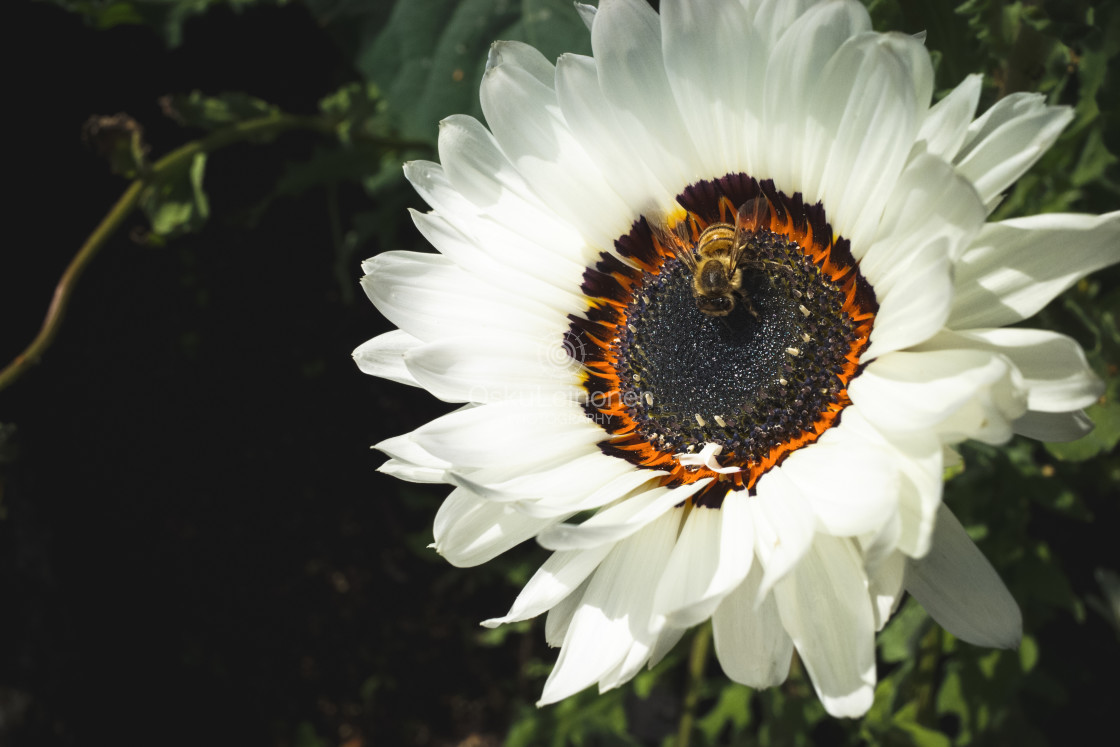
109,224
929,657
262,127
697,660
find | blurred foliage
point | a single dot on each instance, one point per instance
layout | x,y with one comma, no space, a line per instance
415,62
166,17
212,112
175,203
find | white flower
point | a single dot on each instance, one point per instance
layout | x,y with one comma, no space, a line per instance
777,470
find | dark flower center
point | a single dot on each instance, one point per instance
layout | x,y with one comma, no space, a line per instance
719,358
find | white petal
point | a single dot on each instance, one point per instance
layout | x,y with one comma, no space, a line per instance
485,251
1054,369
946,125
1007,139
753,647
614,613
773,17
886,585
959,393
961,591
428,297
825,608
412,472
930,219
706,457
636,658
558,619
507,234
567,478
850,484
716,72
1016,267
594,123
560,575
497,368
488,249
384,356
666,640
476,167
1054,426
524,57
573,481
409,458
917,306
406,449
796,62
626,40
470,530
711,557
767,21
619,521
919,457
508,433
524,115
628,484
784,526
586,14
880,545
931,203
429,179
866,112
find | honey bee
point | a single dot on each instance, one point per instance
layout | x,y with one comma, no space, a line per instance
719,257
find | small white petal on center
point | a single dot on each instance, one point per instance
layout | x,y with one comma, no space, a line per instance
706,458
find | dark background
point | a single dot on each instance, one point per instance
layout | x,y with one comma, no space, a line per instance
195,546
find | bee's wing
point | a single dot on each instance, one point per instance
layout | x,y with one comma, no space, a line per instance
754,215
679,239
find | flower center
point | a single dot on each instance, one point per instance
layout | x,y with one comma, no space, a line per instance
731,342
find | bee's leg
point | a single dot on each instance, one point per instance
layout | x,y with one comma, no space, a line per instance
746,301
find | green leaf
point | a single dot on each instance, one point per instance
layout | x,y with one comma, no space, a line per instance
175,202
878,717
1094,161
493,637
329,165
951,698
212,112
731,711
428,56
899,640
1102,439
1105,435
164,16
359,111
1047,580
553,27
902,728
1028,653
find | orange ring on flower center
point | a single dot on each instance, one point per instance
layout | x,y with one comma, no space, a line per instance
642,310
